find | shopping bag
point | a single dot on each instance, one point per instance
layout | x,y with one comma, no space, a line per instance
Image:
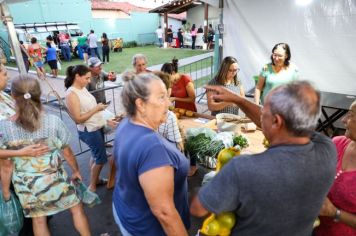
59,66
11,215
87,197
108,115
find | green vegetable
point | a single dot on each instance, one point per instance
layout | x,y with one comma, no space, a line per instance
241,141
201,147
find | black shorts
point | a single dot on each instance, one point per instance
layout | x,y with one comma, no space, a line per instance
210,38
53,64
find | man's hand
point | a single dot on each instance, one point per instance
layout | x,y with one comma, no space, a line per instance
112,123
34,150
223,94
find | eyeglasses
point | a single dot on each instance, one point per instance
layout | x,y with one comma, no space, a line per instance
277,55
234,70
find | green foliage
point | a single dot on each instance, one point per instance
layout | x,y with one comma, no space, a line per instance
201,146
241,141
130,44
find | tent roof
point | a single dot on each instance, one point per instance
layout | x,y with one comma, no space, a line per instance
175,6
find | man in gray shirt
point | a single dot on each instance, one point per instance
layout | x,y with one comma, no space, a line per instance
279,191
97,79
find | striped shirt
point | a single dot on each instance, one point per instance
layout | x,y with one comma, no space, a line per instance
170,129
229,109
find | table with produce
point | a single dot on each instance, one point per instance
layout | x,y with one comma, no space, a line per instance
214,141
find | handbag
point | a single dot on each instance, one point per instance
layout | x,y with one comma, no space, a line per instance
11,215
86,196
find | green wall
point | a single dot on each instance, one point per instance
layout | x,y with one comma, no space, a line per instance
140,26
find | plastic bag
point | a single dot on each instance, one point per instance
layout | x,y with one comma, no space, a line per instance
207,177
206,131
59,66
88,197
11,215
226,138
108,115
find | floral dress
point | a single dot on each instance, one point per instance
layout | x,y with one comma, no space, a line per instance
41,183
7,106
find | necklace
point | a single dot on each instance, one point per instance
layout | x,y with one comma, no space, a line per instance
338,174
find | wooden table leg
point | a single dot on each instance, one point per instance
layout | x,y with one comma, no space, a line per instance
112,172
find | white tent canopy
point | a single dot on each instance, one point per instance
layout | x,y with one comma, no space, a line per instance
322,37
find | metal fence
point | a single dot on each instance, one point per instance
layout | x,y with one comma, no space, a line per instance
57,106
201,71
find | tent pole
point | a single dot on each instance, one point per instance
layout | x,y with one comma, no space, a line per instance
7,19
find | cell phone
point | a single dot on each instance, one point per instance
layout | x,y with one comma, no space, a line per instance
107,103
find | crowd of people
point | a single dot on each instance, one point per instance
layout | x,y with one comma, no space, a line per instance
185,33
62,46
302,176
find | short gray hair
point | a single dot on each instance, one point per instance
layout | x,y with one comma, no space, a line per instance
138,56
299,109
135,86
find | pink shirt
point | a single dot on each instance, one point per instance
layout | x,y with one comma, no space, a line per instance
342,194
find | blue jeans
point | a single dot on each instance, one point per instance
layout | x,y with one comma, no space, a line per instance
95,141
80,52
65,49
160,40
118,222
94,52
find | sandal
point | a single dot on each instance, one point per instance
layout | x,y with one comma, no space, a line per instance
102,182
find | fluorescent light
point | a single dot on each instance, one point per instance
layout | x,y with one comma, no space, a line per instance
197,3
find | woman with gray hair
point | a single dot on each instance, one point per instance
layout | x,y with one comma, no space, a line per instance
150,196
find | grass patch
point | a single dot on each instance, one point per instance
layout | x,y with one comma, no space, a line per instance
202,81
121,61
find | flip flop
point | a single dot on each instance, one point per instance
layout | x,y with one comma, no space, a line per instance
102,181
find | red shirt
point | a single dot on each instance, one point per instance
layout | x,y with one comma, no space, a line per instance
179,90
342,194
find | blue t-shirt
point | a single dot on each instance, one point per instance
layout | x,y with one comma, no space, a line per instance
137,150
51,54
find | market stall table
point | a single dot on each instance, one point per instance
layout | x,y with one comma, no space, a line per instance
337,102
255,138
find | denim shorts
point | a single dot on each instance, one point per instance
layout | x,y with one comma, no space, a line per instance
38,64
95,141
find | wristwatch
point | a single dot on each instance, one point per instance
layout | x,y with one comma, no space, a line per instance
337,215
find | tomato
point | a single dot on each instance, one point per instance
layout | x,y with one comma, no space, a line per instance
213,228
226,219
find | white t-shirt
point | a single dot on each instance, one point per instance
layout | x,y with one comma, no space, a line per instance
92,41
159,33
